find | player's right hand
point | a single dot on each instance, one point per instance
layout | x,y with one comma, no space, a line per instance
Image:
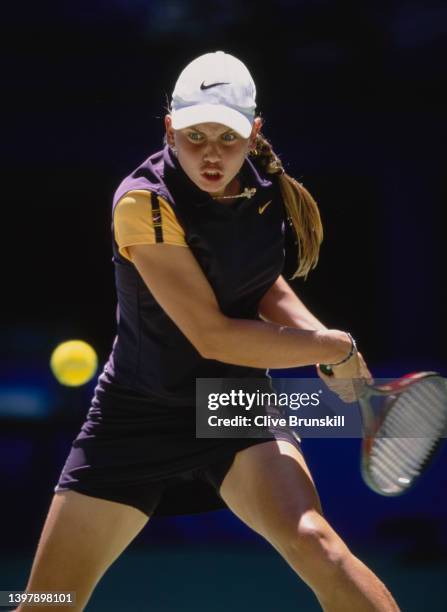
348,379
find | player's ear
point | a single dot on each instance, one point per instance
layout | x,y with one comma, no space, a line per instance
169,131
257,125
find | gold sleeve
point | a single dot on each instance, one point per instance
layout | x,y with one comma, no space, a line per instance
140,217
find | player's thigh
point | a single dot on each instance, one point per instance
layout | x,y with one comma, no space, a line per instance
270,487
81,538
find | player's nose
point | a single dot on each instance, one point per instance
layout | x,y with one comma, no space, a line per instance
212,153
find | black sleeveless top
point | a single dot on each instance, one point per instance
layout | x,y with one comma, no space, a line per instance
242,249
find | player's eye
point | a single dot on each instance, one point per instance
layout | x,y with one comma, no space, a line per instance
195,136
229,137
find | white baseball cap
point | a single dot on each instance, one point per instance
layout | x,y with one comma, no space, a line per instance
215,87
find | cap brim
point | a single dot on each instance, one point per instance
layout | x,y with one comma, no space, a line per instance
211,113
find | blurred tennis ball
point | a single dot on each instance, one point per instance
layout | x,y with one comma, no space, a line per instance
73,363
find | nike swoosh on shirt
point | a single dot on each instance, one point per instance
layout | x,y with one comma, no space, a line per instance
203,86
263,207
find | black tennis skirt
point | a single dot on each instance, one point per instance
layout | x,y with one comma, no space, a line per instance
135,452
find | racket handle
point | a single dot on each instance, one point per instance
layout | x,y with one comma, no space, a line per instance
326,369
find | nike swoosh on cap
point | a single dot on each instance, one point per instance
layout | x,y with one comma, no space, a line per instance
203,86
263,207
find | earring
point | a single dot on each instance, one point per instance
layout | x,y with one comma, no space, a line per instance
174,150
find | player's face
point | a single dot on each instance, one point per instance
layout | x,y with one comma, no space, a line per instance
211,154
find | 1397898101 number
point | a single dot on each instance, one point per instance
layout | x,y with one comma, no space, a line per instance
8,598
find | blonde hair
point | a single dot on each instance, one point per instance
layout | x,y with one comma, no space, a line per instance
302,210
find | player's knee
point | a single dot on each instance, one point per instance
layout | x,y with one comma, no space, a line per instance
313,545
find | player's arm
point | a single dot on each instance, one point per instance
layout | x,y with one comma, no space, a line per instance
280,304
177,282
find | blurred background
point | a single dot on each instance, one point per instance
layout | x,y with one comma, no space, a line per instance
353,100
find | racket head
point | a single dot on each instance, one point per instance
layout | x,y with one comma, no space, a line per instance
404,432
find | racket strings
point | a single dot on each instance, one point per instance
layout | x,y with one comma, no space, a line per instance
419,412
408,435
408,421
393,471
399,459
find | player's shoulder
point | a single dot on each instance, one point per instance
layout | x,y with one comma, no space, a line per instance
141,203
148,176
137,198
134,197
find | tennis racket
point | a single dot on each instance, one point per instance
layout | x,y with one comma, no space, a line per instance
404,424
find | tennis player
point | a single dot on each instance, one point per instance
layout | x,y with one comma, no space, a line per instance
204,233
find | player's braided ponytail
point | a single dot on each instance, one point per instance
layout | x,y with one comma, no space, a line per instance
302,210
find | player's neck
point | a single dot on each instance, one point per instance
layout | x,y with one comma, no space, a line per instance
232,189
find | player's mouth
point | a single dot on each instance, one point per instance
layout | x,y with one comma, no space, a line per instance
213,176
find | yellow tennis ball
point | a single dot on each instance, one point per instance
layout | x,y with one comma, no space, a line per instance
73,363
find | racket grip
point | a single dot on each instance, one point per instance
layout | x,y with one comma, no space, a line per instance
326,369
